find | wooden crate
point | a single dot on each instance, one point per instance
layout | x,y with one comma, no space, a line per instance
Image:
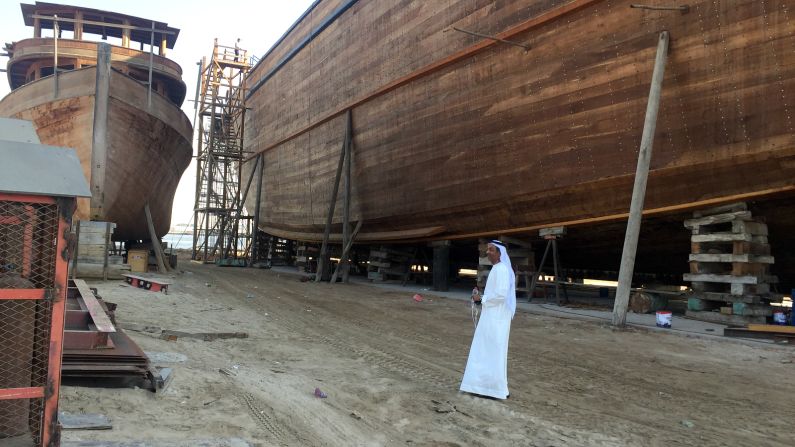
138,260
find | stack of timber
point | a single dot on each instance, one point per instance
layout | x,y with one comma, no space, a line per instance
390,263
94,257
729,266
522,261
306,257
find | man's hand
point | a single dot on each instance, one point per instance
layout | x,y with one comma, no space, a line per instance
476,295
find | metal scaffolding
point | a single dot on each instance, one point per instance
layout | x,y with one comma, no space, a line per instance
222,231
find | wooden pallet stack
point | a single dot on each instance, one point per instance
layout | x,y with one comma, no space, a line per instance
522,261
94,258
729,266
389,263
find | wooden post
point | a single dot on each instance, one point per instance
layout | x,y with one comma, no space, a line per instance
55,30
125,34
639,189
255,241
346,202
161,265
78,26
105,254
151,62
343,265
322,260
441,266
77,247
535,274
555,263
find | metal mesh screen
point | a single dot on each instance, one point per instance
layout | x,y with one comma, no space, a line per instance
28,237
28,250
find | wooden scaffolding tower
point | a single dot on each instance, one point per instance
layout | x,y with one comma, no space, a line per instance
222,227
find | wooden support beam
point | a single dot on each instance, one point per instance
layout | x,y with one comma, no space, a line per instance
108,227
346,202
98,316
323,259
77,247
255,241
158,249
344,266
639,190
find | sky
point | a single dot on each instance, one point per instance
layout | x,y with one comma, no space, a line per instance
258,24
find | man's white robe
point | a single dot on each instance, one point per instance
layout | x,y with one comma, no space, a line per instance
487,367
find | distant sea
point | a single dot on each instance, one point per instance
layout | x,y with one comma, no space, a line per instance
179,240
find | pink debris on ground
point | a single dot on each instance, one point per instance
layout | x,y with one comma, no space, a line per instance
417,297
320,394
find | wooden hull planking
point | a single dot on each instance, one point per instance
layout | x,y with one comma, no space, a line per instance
145,150
506,141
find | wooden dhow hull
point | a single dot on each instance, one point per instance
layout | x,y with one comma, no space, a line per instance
132,154
481,138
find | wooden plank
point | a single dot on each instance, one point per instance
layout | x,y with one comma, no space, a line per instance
728,279
98,315
746,333
206,336
717,218
717,317
728,257
700,304
749,289
729,207
772,328
744,268
552,231
728,297
84,421
722,237
754,228
745,309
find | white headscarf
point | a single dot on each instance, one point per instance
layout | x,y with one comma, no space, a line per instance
510,300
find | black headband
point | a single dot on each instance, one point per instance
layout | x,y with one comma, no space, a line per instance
498,243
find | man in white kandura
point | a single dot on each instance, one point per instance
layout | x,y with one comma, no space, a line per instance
486,373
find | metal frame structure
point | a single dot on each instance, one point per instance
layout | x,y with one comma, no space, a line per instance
32,306
222,228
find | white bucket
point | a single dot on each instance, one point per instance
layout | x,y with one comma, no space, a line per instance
779,317
664,318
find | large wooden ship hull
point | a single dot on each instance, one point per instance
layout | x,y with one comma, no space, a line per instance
457,136
132,154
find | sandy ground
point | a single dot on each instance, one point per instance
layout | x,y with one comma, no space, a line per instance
391,369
